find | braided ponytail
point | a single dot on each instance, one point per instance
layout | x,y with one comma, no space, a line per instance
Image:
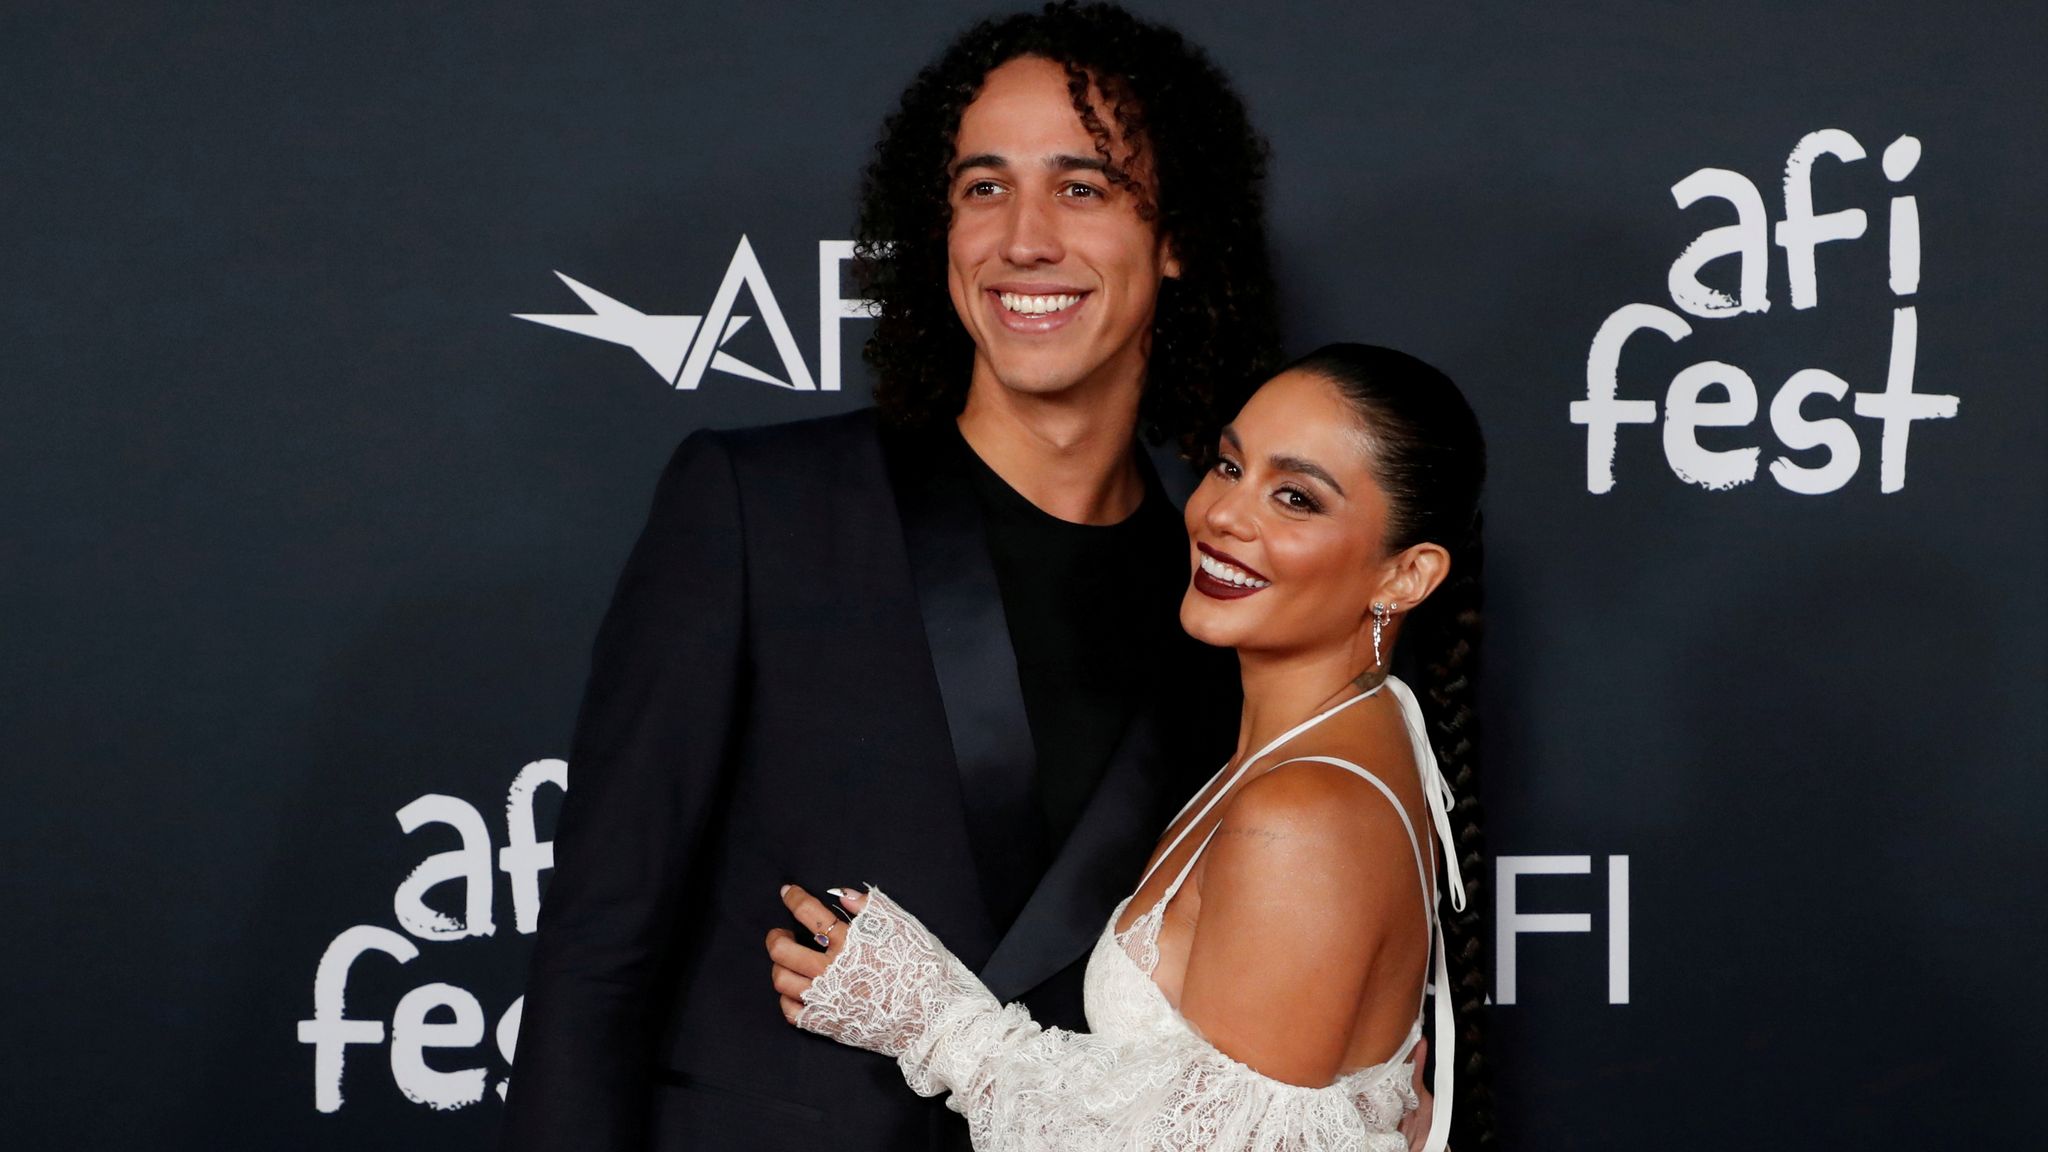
1430,459
1446,653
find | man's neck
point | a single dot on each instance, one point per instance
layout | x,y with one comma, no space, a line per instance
1070,454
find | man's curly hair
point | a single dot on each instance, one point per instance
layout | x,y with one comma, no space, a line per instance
1215,334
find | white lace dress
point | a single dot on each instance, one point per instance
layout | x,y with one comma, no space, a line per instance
1142,1079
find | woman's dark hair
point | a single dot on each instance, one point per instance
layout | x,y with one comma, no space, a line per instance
1215,333
1430,459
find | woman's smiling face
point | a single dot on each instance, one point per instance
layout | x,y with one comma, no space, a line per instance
1287,533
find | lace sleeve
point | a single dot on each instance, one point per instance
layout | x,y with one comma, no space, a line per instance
896,990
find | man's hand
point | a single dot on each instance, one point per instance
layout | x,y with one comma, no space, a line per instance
1415,1125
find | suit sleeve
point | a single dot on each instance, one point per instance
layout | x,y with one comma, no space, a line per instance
650,748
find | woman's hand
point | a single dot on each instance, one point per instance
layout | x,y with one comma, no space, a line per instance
877,983
797,964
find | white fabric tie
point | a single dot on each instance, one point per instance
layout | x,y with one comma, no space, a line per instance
1437,791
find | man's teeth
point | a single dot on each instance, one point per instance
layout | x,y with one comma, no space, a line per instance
1037,305
1231,574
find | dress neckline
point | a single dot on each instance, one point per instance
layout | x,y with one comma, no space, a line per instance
1352,1083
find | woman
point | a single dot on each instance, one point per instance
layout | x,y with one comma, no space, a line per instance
1260,988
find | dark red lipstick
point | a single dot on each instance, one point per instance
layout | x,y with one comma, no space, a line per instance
1216,589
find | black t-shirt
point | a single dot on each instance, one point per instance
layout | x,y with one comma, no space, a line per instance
1094,613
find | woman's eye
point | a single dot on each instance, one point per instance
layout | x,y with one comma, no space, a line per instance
981,188
1083,191
1297,500
1227,468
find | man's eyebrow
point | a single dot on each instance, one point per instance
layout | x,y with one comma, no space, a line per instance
1060,163
1303,467
1069,163
979,160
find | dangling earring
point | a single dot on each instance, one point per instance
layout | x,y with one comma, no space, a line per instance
1380,613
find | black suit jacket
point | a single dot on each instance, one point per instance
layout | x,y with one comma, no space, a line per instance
805,677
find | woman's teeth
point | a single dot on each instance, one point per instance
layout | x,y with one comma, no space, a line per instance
1230,574
1037,305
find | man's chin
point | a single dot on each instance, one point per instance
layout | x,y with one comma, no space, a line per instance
1040,379
1043,386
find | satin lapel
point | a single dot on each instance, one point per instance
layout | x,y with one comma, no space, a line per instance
1095,868
976,667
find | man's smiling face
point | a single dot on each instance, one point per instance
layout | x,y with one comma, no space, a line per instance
1049,263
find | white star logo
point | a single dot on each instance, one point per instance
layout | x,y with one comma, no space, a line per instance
671,345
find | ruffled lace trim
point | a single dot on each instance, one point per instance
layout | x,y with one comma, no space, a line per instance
895,989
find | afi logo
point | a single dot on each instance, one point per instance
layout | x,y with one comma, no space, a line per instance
458,1016
1807,411
683,348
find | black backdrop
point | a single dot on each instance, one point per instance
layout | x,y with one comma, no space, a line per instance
302,525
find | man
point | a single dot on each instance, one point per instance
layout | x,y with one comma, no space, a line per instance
933,645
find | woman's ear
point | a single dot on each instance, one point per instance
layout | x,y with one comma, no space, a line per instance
1417,571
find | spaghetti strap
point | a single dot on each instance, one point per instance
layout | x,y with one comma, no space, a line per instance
1423,873
1189,866
1254,758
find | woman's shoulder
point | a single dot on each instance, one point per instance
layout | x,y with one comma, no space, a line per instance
1308,837
1322,801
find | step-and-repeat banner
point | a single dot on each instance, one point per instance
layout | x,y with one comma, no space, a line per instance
344,344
